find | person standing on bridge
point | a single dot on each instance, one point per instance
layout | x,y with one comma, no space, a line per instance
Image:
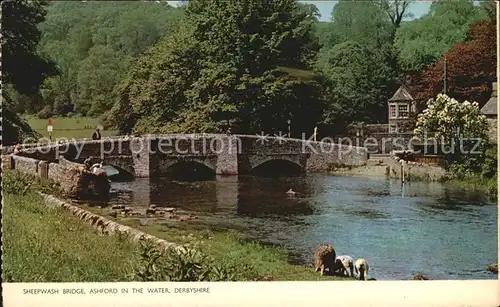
96,135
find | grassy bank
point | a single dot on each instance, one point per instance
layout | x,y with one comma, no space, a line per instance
67,127
42,244
45,244
488,186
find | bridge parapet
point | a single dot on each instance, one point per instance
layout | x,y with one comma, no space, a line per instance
225,154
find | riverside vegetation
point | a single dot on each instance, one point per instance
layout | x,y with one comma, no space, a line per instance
44,244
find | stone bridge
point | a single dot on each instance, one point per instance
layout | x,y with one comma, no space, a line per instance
153,155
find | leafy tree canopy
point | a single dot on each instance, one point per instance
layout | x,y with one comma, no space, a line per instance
422,42
226,56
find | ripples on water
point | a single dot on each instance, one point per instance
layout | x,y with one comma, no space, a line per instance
431,228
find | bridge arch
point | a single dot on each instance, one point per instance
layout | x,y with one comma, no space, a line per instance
277,166
125,172
189,169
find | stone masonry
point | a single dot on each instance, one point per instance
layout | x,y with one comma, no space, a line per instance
152,155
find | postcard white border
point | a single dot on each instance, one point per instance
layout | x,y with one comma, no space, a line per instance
335,293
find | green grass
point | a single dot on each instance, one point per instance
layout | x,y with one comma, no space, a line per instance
68,127
488,186
43,244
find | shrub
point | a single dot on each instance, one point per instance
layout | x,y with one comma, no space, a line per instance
18,183
46,112
186,264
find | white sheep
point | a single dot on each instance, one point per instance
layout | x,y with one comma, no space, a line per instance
361,267
346,264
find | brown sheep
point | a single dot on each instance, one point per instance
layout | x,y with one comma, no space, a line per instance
324,258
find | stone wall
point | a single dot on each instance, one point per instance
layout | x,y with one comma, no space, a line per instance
322,156
151,155
26,165
227,157
140,157
385,143
74,180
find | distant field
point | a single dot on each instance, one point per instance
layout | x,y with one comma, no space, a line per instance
68,127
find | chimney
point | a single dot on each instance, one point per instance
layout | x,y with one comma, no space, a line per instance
494,89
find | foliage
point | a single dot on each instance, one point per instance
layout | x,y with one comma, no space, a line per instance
458,126
253,65
20,38
23,69
46,112
14,129
422,42
186,264
224,57
471,66
93,44
362,22
359,83
18,183
358,62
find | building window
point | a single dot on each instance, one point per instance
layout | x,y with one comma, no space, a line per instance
403,111
393,129
392,111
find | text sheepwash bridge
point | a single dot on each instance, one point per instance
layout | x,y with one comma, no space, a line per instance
152,155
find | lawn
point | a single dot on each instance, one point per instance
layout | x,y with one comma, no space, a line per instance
68,127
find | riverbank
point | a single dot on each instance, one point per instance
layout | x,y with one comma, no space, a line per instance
45,244
42,244
488,186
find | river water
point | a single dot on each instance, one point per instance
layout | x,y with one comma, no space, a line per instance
431,228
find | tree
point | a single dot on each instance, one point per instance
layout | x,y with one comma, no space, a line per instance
422,42
20,37
358,63
93,44
397,10
22,67
363,22
455,125
471,67
359,83
227,56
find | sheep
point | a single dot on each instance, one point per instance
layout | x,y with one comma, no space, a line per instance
324,258
345,264
361,267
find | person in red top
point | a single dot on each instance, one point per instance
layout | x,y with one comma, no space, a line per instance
17,149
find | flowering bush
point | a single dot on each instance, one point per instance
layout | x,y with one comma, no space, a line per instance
447,119
461,128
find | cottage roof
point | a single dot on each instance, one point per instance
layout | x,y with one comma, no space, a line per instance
490,108
401,94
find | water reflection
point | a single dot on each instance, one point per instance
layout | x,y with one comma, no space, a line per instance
400,229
